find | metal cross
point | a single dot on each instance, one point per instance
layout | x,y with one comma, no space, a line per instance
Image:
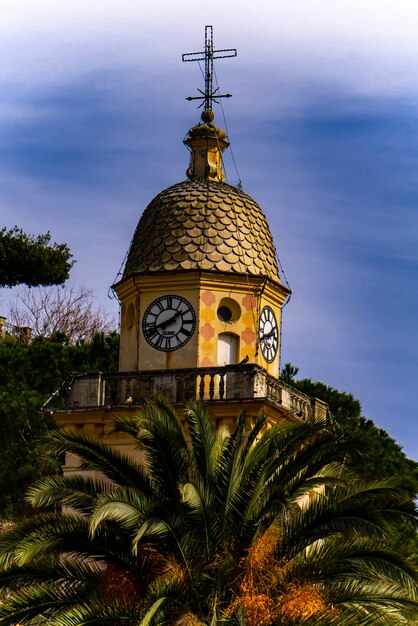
208,55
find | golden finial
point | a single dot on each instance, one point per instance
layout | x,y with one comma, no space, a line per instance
206,142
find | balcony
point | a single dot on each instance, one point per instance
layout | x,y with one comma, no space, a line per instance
231,383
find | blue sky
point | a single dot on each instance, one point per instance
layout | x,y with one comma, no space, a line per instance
323,125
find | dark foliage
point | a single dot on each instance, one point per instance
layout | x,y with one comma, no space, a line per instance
259,527
342,405
385,457
33,261
29,374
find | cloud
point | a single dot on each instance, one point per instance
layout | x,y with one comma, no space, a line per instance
338,179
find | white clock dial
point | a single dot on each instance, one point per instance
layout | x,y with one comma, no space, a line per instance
268,334
168,323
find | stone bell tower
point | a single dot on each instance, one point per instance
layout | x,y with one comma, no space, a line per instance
201,300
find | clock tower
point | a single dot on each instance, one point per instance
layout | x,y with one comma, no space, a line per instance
201,286
201,301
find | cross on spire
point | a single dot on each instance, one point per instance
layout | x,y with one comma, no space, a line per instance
208,55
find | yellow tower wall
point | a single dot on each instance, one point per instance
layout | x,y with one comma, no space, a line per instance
206,291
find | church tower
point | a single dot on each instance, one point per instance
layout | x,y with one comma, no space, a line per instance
201,301
201,285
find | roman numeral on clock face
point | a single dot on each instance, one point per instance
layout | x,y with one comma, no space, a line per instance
169,323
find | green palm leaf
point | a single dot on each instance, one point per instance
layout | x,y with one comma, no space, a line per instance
206,530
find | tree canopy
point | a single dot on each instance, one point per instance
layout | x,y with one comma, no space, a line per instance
32,260
29,374
384,458
258,527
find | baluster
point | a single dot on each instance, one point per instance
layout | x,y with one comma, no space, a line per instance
202,386
277,392
101,390
108,391
135,391
212,386
222,386
113,392
191,386
181,387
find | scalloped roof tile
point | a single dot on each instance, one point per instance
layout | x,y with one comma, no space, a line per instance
202,224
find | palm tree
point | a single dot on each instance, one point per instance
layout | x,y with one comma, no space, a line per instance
261,527
288,373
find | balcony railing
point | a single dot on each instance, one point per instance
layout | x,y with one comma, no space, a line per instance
214,384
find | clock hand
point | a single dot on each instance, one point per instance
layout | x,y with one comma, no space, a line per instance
164,324
268,335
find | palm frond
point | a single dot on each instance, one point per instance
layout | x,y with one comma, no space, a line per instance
64,570
42,599
160,435
200,500
99,457
125,506
201,431
73,491
203,528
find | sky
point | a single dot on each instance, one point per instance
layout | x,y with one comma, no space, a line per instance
323,126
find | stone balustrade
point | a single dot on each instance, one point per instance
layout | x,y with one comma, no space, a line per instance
213,384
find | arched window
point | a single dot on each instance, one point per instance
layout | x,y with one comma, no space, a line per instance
228,344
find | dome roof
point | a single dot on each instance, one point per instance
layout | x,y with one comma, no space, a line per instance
202,224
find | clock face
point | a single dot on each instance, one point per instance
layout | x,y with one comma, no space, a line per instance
168,323
268,334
